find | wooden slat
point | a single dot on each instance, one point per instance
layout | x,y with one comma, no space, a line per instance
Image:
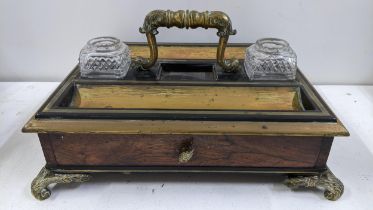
186,97
186,127
187,52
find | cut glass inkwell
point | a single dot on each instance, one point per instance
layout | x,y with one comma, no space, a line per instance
104,58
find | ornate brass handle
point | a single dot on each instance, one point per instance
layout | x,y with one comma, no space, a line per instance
186,152
188,19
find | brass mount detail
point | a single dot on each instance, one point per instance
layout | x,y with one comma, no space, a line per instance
187,19
332,186
186,152
39,186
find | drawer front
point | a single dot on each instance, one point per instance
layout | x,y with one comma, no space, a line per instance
166,150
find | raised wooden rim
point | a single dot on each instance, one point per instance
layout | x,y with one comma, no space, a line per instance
185,127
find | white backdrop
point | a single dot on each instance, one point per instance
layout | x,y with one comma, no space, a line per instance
40,40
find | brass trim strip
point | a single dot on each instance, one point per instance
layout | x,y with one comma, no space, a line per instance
194,52
182,171
186,127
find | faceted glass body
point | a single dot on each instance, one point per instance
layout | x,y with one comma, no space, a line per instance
270,59
104,58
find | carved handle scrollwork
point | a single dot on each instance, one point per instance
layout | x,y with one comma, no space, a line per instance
188,19
39,186
333,187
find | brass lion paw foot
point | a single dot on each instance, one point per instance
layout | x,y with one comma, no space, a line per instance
39,186
332,186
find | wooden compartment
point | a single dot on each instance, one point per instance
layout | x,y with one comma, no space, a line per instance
186,97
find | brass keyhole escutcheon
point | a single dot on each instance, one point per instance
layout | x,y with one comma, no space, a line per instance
186,152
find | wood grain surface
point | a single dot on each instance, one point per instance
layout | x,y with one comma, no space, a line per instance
164,150
186,97
185,127
188,52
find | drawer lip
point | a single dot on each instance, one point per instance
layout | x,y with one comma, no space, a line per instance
185,169
174,127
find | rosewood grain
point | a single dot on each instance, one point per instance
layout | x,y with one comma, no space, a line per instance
324,152
46,145
163,150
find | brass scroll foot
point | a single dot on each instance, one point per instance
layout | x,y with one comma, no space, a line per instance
332,186
39,186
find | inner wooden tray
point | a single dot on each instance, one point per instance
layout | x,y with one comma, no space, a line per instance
185,100
184,87
185,97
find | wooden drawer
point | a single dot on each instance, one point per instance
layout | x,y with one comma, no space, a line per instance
164,150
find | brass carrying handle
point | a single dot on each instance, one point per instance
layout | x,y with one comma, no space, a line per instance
188,19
